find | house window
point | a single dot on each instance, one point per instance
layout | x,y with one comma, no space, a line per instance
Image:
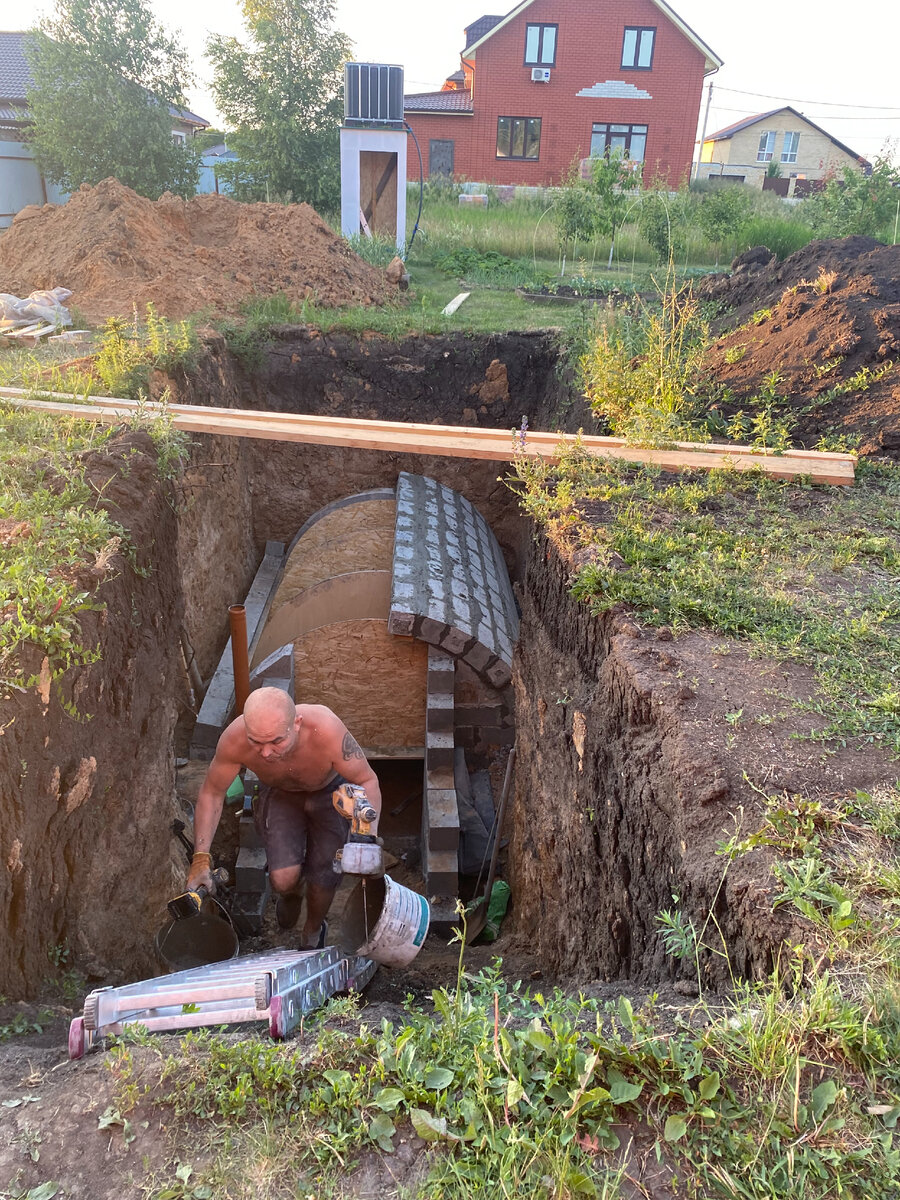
518,137
789,150
637,48
628,141
540,45
766,146
179,138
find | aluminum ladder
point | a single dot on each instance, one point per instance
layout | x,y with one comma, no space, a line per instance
277,986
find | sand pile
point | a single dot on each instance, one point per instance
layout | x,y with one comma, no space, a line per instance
116,249
827,320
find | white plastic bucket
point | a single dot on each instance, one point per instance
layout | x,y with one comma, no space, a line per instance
400,930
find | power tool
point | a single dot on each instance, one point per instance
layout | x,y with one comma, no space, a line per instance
188,903
362,854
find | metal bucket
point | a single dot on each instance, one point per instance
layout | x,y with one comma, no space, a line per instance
197,941
386,922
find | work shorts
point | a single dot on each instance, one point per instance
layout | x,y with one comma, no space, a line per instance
302,829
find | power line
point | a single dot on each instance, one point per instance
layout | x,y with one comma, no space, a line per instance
747,112
818,103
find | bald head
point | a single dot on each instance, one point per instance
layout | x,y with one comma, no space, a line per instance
269,711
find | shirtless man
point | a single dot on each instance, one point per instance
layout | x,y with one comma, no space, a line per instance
300,753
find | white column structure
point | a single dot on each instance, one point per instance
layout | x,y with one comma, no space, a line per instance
354,142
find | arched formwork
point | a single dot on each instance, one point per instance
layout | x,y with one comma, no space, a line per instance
400,612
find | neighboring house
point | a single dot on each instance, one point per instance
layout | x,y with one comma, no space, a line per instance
744,152
20,181
558,80
209,181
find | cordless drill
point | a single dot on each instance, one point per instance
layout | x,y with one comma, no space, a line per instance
362,853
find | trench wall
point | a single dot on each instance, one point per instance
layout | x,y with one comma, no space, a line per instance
86,802
619,803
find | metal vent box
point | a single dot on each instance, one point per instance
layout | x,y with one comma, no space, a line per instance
373,94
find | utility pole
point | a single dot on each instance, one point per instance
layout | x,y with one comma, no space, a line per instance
703,134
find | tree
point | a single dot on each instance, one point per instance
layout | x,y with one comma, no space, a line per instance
611,179
856,203
282,95
722,212
662,222
574,212
105,73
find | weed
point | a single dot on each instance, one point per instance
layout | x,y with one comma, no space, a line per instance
761,314
378,250
130,352
734,354
820,370
861,381
23,1024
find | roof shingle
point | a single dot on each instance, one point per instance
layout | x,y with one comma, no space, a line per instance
448,102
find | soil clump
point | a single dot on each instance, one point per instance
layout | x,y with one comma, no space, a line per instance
116,250
827,321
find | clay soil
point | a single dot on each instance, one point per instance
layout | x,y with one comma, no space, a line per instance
116,251
817,319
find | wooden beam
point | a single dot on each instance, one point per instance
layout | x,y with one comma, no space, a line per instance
453,441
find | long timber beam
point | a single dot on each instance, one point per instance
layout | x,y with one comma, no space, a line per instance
453,441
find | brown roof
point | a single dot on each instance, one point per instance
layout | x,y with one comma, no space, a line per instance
440,102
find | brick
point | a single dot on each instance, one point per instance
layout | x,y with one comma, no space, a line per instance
432,631
439,712
439,777
479,656
456,641
438,750
443,819
485,714
441,870
499,674
401,623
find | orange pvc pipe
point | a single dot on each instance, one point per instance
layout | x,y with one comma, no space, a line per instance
240,660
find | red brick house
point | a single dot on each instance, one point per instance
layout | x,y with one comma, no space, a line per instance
556,80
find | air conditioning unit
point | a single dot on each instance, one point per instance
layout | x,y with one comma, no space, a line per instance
540,74
373,94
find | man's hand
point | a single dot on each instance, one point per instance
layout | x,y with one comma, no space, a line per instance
200,874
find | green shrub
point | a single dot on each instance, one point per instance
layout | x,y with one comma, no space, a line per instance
779,234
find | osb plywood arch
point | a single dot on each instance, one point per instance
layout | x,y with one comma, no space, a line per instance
375,682
354,537
358,595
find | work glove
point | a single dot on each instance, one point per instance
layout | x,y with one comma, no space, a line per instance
201,874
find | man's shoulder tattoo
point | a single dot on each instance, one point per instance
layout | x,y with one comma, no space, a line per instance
351,747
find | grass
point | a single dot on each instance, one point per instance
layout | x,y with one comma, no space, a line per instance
513,1091
803,574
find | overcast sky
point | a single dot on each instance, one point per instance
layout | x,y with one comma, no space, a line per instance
836,64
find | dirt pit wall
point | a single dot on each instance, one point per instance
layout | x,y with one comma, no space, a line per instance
87,795
630,775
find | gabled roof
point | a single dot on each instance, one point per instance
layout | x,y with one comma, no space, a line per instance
723,135
16,79
476,31
441,102
713,62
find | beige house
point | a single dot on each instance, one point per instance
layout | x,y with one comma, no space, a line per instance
744,152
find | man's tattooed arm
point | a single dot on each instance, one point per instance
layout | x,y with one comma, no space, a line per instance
351,747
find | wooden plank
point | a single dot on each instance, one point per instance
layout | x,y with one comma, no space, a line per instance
457,442
535,436
454,304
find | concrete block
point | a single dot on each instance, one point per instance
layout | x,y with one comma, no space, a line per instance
438,750
479,656
441,871
439,778
456,641
443,819
439,712
248,911
400,623
499,674
277,665
479,714
251,870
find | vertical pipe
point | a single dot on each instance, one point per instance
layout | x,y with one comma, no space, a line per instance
237,619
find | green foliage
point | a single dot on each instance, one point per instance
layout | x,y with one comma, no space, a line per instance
662,223
574,213
721,214
282,95
781,235
378,250
751,558
854,203
130,351
105,73
23,1024
611,180
643,370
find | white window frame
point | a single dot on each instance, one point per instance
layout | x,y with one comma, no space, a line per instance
766,150
792,140
538,57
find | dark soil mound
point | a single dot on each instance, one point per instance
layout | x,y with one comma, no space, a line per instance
827,321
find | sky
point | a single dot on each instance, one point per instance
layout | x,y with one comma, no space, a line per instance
840,72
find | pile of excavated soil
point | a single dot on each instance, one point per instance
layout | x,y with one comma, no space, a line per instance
825,317
115,249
